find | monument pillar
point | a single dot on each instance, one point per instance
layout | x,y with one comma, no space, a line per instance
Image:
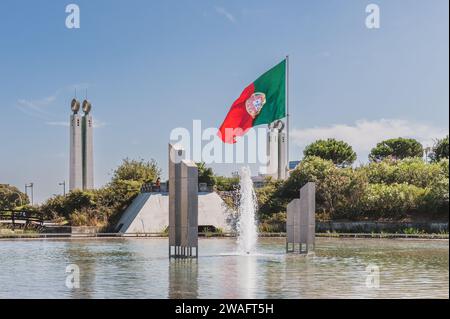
183,205
301,221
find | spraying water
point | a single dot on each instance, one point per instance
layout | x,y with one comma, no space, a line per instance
246,225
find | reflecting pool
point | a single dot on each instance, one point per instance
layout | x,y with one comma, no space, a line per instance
140,268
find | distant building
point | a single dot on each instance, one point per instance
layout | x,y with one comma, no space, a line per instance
293,165
259,181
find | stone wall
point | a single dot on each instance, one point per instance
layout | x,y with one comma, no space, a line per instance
376,227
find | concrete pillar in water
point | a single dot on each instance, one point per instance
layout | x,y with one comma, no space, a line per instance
183,204
301,221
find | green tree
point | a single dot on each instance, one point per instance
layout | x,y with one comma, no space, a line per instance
397,149
136,170
11,197
440,150
205,174
339,152
65,205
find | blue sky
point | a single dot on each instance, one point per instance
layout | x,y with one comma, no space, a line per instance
151,66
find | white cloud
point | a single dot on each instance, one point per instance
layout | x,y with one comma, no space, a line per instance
364,134
57,123
96,123
36,107
44,108
222,11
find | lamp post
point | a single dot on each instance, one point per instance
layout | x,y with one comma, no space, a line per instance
63,184
31,186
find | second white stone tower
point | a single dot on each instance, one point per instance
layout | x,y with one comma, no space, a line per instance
87,146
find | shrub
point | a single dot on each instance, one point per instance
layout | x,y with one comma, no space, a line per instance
412,231
205,174
105,205
436,200
226,184
274,224
78,219
444,165
269,200
90,217
411,171
66,205
338,190
394,200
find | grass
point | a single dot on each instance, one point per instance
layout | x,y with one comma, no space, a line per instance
413,231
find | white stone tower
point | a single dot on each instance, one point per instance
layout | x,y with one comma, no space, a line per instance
76,161
282,155
272,153
81,174
277,166
87,147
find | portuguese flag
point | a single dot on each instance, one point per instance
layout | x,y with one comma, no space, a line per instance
262,102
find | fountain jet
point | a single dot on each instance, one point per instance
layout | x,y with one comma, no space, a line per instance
246,225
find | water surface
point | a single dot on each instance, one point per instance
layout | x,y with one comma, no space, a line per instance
139,268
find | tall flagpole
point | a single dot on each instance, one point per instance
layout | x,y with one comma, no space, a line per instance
287,114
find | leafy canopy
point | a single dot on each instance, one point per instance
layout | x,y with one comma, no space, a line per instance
440,150
397,149
136,170
205,174
11,197
339,152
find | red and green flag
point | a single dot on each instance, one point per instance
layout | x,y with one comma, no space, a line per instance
262,102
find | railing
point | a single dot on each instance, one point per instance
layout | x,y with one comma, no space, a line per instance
20,217
164,188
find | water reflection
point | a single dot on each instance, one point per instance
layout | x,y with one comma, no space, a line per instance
81,256
274,273
246,269
183,278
